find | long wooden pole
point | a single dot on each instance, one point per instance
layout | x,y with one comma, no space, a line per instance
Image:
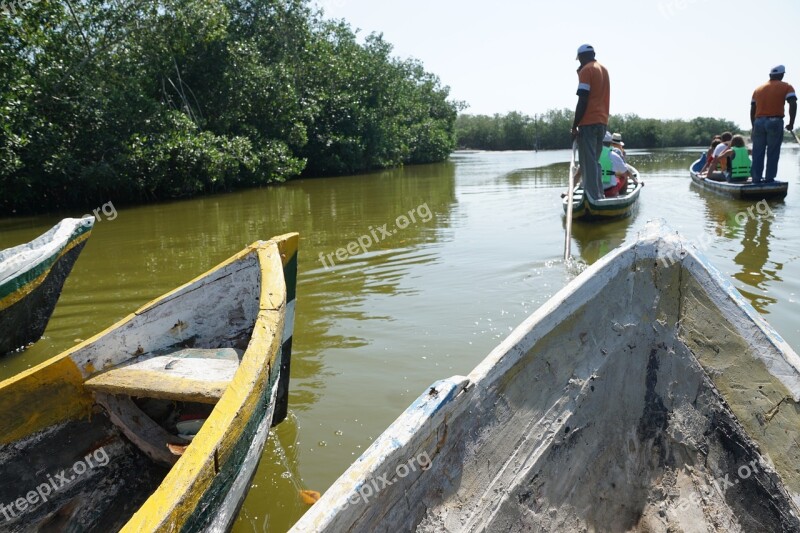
795,136
568,235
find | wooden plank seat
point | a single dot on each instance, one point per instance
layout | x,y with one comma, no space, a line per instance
152,439
188,375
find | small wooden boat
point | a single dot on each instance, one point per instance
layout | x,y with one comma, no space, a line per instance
586,208
647,395
746,190
31,278
158,422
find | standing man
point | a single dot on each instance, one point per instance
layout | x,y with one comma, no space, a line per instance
766,118
591,118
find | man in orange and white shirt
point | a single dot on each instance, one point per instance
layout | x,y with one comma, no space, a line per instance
766,119
591,118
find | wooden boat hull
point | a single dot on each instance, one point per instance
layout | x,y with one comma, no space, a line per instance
28,296
584,208
647,395
739,191
244,306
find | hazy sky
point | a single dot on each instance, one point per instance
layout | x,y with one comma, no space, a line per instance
666,58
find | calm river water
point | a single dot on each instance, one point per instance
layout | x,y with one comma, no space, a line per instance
428,301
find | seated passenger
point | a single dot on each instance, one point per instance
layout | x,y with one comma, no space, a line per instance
616,142
719,164
740,160
621,174
606,170
615,172
710,153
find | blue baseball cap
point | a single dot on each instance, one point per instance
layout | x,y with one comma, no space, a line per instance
584,48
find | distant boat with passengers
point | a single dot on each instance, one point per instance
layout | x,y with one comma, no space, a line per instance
621,188
740,190
586,208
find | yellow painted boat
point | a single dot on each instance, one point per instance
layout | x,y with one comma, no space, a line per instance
158,422
31,278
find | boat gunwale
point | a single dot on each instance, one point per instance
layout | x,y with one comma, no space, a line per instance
176,498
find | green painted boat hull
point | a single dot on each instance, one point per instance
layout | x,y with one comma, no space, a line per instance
28,299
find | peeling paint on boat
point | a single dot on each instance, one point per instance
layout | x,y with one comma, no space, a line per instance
31,278
617,406
240,304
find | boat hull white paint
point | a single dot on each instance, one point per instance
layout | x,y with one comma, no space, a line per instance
625,403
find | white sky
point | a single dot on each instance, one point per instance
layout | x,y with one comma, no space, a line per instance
666,58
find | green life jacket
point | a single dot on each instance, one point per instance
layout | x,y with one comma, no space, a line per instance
740,166
605,165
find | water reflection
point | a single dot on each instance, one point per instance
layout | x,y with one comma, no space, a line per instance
753,259
430,301
597,238
663,162
279,477
748,222
335,294
594,240
545,177
148,250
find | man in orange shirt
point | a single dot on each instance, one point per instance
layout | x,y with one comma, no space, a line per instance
766,119
591,118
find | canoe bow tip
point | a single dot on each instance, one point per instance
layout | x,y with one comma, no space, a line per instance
657,229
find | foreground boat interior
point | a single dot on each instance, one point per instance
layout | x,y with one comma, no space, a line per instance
646,396
159,421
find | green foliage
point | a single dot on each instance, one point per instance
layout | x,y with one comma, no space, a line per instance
551,130
137,101
374,111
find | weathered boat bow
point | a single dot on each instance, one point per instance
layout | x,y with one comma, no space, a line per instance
646,395
31,278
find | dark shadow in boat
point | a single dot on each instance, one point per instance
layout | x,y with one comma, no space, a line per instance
85,471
